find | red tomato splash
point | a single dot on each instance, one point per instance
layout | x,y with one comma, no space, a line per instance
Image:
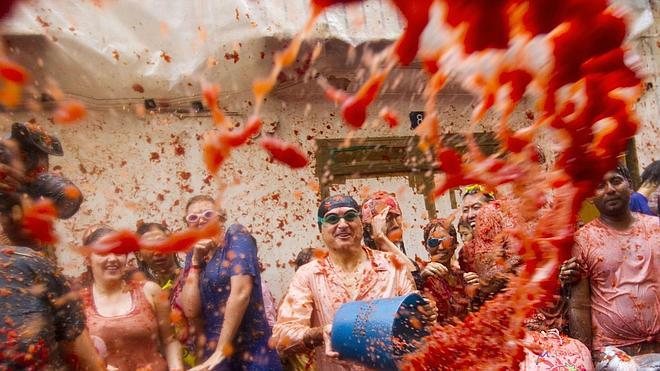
69,112
210,94
38,221
217,145
124,241
285,153
389,117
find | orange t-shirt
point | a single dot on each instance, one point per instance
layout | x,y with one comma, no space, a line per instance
621,267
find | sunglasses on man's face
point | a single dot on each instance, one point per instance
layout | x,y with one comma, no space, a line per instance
348,216
194,218
433,243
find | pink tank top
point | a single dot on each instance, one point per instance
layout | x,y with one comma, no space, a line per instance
131,340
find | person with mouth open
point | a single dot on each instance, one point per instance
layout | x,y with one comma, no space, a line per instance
614,307
487,258
346,271
129,320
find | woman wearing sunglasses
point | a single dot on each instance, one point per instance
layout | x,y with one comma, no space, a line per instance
223,289
443,281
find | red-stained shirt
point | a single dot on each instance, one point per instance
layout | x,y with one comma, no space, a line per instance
449,295
491,253
316,293
622,269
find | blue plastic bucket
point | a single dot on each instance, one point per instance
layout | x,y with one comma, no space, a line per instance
378,333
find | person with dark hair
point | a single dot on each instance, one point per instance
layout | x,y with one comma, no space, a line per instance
614,308
165,270
222,287
35,145
474,198
303,361
125,315
349,271
44,325
647,198
488,258
162,268
442,282
304,256
465,230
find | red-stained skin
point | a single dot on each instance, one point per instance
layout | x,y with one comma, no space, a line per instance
586,46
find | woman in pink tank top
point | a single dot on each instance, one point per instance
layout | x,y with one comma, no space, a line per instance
128,320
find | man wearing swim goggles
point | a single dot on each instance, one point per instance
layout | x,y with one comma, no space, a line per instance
333,219
346,271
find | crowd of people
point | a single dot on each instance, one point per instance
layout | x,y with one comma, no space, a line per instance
211,310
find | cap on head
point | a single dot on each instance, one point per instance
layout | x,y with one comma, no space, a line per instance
333,202
376,203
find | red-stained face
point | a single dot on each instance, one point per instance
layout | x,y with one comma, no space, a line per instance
472,203
440,245
613,194
345,234
394,227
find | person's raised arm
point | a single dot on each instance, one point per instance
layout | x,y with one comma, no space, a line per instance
191,302
579,312
171,347
379,226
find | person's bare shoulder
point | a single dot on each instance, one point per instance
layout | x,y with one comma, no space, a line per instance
152,291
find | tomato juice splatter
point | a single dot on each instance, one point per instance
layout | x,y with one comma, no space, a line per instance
38,221
69,111
124,241
585,94
283,152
